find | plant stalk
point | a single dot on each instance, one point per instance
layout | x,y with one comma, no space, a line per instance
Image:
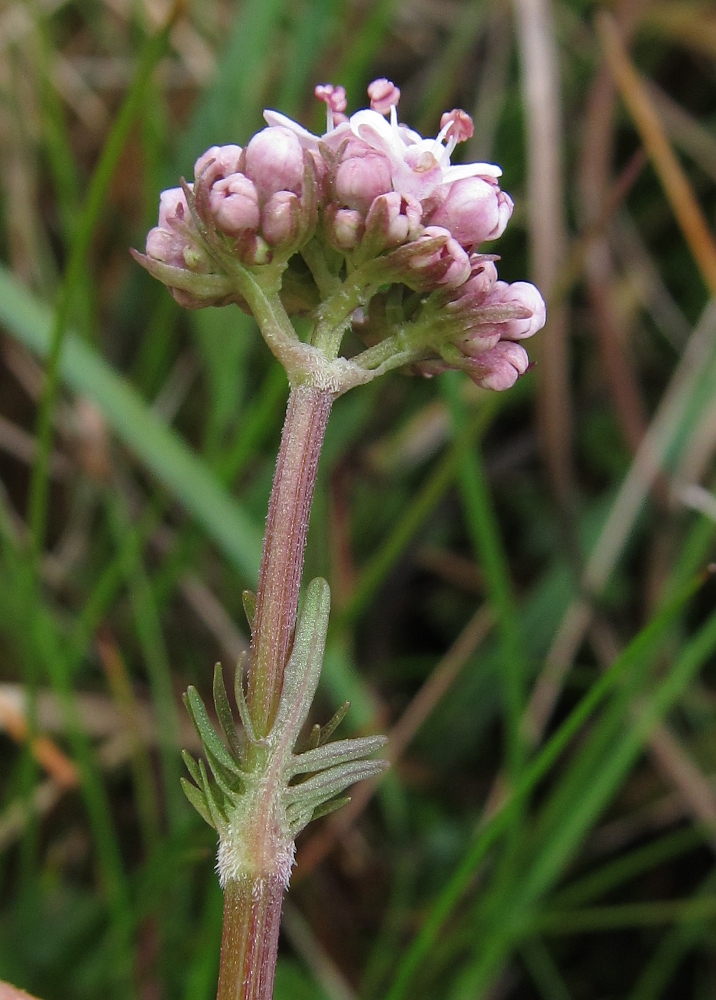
249,941
252,904
284,545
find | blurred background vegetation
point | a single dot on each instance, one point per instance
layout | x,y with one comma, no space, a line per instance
490,556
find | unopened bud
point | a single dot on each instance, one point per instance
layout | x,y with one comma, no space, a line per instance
474,210
477,287
274,161
234,204
217,162
499,368
519,294
391,221
447,266
280,219
344,228
172,207
166,246
361,174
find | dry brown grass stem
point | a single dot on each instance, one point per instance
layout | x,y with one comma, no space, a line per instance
679,192
45,751
433,689
685,130
611,326
548,229
692,24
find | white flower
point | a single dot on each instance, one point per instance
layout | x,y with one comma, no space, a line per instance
419,166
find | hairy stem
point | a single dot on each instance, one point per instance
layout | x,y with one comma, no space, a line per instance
284,545
252,904
249,943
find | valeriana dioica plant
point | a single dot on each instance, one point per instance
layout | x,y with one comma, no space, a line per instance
368,227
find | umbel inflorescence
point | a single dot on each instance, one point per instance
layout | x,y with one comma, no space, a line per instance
368,226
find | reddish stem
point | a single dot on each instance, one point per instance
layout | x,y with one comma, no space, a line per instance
249,942
284,545
252,905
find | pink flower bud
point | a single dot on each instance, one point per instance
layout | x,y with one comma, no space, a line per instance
476,289
166,246
384,95
361,175
234,204
172,207
392,220
475,210
479,341
519,294
448,266
280,219
498,368
344,227
274,161
217,162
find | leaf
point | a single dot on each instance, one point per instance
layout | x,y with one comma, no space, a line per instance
191,766
230,783
214,801
225,715
197,799
328,783
329,807
248,598
329,729
304,666
241,704
339,752
196,709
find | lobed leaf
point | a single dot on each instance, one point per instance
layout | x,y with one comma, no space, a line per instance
332,754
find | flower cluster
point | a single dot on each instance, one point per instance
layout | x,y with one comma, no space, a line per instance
369,203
